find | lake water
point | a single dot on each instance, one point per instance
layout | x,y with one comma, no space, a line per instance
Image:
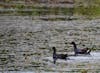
23,36
83,61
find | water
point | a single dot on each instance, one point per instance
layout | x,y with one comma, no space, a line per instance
83,61
26,72
19,72
24,37
94,56
90,63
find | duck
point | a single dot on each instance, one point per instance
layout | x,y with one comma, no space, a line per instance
58,56
80,51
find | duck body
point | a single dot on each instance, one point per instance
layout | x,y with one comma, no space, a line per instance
58,56
80,51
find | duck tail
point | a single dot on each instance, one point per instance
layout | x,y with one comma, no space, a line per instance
88,51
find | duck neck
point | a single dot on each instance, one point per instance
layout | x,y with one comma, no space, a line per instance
54,51
75,47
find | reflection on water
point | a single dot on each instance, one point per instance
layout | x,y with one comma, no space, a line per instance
93,56
74,63
29,42
81,62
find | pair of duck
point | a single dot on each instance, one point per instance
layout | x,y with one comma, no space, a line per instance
65,56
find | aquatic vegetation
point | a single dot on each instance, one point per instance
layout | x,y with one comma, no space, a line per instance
4,51
84,71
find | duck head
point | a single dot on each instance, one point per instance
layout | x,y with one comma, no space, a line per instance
54,48
72,42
